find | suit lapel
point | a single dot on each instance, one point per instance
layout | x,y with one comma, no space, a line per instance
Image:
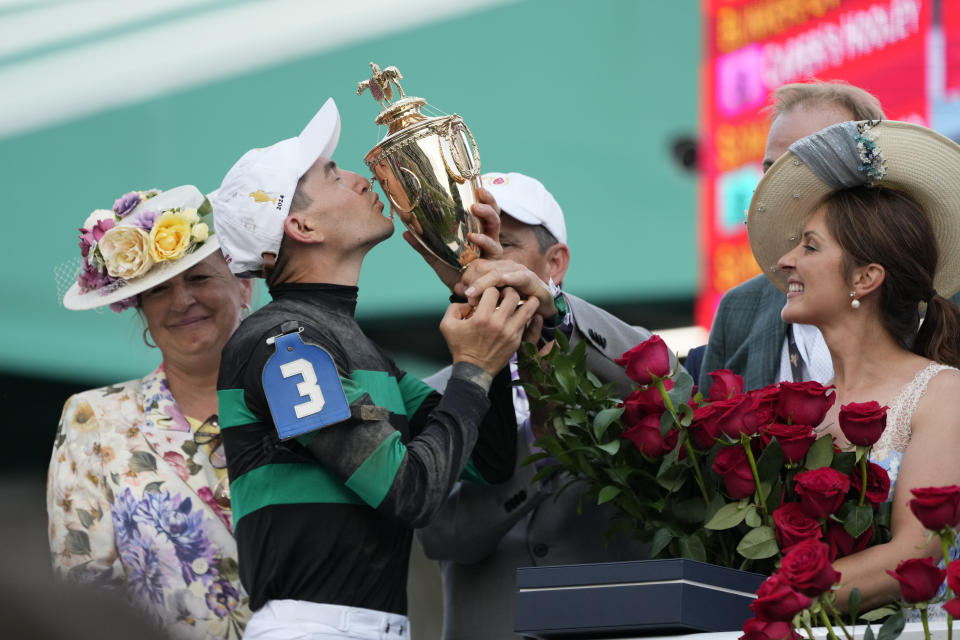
768,340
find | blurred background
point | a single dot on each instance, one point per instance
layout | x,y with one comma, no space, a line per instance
644,118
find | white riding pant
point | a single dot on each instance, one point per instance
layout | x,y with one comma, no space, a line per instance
302,620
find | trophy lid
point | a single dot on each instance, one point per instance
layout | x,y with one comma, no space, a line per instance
396,115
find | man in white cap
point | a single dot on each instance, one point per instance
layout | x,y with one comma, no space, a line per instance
334,454
483,534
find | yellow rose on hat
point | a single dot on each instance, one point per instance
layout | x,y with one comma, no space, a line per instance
170,236
125,253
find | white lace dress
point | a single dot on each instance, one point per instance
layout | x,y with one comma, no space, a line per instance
888,452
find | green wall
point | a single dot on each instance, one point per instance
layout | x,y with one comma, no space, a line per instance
585,96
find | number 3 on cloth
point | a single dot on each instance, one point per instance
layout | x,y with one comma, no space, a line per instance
303,387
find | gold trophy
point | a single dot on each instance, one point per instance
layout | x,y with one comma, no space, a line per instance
428,169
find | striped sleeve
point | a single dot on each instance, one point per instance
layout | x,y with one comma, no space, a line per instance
407,482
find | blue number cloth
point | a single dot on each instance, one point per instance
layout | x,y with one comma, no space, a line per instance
302,387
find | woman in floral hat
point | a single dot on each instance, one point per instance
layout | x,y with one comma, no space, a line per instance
859,225
137,494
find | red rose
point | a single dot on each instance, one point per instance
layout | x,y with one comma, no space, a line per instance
736,415
704,430
937,507
878,483
842,543
863,422
794,439
648,359
953,577
732,465
821,490
919,579
726,384
778,630
953,581
952,607
768,398
645,435
804,402
644,402
793,526
764,413
806,567
777,601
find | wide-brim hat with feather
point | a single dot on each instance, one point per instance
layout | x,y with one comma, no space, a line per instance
903,156
147,238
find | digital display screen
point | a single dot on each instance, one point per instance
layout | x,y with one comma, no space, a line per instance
751,47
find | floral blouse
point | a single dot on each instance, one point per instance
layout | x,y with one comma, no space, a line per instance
130,504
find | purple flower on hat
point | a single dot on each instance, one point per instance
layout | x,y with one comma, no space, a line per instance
93,236
123,305
126,203
92,278
85,242
146,219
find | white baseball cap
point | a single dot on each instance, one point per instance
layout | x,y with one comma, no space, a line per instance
527,200
254,198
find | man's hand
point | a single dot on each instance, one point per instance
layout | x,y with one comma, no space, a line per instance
487,211
492,334
483,274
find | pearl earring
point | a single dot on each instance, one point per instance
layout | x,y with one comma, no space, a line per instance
854,303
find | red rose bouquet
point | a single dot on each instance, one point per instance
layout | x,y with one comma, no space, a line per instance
740,479
735,478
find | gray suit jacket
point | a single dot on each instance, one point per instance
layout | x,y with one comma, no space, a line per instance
482,534
747,334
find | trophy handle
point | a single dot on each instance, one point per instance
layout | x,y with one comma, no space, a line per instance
463,172
417,187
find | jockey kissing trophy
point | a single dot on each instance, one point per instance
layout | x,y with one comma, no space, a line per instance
428,169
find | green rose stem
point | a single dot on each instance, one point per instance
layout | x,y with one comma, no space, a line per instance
946,539
745,441
826,623
926,625
686,441
827,601
863,475
696,470
810,635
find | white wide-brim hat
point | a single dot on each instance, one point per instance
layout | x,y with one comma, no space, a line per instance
903,156
185,197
